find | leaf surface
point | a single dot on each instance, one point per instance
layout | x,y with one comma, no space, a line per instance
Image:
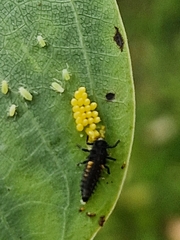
39,177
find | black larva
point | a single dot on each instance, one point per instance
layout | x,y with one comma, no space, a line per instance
95,162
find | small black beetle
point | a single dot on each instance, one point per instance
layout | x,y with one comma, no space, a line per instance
95,162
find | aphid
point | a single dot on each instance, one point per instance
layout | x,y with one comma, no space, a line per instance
81,209
41,41
101,220
95,162
119,39
65,73
12,110
25,93
110,96
4,87
57,87
90,214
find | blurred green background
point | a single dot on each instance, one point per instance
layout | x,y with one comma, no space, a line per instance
149,206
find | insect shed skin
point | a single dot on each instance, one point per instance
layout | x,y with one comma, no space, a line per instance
95,162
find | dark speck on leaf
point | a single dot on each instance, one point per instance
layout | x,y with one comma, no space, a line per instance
119,39
110,96
101,221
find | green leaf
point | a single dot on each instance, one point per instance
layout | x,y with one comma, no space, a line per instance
39,177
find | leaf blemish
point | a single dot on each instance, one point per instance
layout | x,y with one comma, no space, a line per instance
119,39
110,96
123,165
101,220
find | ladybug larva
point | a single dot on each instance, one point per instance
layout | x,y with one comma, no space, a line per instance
95,162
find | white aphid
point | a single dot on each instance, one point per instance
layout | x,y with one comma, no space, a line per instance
57,87
41,41
12,110
4,87
25,93
65,73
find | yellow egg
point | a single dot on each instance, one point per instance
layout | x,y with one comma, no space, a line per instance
96,134
76,114
77,94
86,101
97,119
85,122
82,89
88,114
84,95
94,114
79,127
76,109
80,101
93,105
83,115
87,108
90,120
74,102
78,120
82,109
92,126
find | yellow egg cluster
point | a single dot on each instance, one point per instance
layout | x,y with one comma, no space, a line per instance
85,115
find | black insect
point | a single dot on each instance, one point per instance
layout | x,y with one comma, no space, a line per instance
95,162
110,96
123,165
119,39
101,221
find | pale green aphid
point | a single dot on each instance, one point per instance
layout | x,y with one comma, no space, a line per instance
65,73
25,93
57,87
41,41
12,110
4,87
